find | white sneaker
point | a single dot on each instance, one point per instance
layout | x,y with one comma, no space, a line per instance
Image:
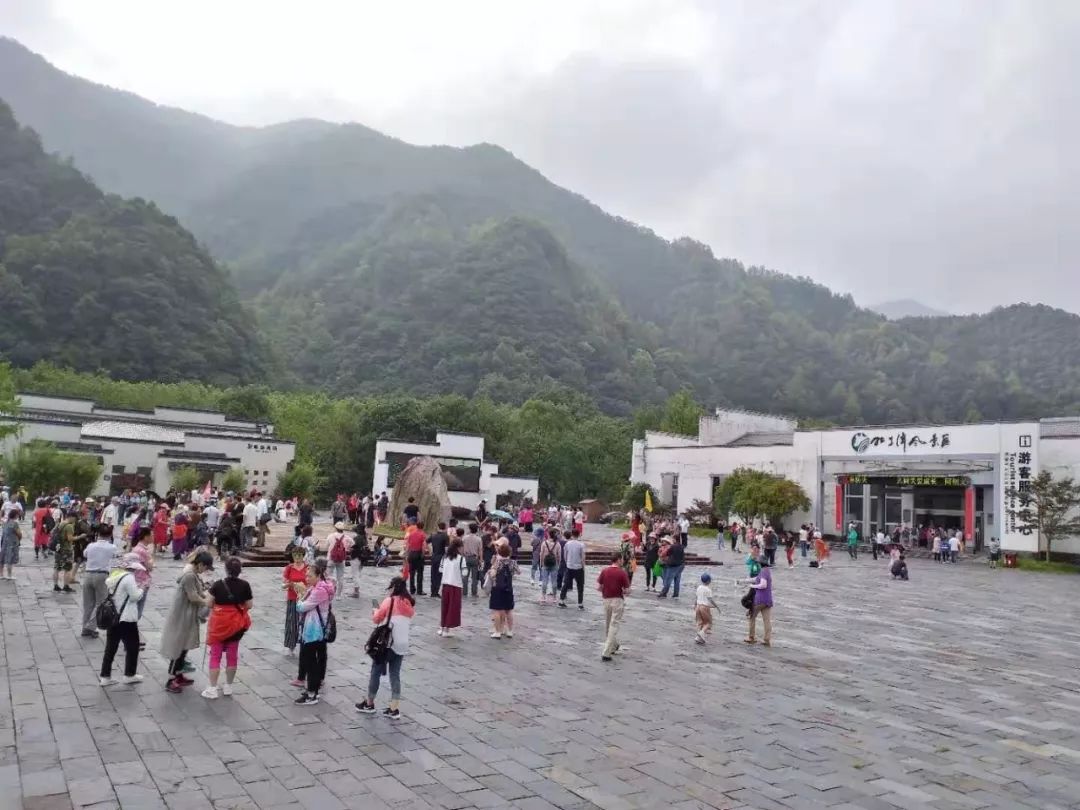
496,635
108,681
226,689
287,651
132,679
439,632
509,633
211,693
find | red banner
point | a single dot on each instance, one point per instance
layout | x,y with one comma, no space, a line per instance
839,508
969,514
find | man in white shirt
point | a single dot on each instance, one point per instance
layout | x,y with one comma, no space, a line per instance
99,562
879,542
248,524
954,546
262,507
111,516
684,530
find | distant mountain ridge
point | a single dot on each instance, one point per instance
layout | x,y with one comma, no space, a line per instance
907,308
377,265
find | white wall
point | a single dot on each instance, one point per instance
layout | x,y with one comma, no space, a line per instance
727,425
46,403
1061,457
453,444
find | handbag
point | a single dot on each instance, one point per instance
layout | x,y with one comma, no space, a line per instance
381,639
329,627
107,616
748,600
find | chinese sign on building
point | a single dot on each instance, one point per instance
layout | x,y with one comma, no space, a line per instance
909,480
1018,467
899,440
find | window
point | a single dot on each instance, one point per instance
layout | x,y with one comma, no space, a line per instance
265,473
853,506
117,468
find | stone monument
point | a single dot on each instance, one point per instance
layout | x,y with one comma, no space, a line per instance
422,480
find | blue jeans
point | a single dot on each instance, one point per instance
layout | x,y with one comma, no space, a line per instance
393,663
803,547
672,575
548,576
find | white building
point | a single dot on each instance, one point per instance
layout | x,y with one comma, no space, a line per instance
142,449
956,476
469,477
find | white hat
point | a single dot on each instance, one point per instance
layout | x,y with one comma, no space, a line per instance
339,526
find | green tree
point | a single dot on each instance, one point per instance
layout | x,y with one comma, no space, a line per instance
234,480
248,402
303,479
185,479
681,414
9,403
752,494
1051,506
43,470
634,496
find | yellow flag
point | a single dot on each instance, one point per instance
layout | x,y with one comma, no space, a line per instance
648,501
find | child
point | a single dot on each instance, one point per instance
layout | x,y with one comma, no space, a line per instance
994,546
704,603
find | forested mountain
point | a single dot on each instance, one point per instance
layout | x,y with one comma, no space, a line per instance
906,308
94,281
376,265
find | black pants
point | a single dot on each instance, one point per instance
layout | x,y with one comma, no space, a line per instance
127,632
436,576
873,548
650,578
416,572
734,540
770,555
313,662
685,538
574,576
176,666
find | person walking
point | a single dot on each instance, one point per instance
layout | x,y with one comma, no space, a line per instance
472,547
853,542
994,547
673,565
821,548
100,556
501,587
396,610
703,605
789,548
574,557
652,554
336,546
230,618
10,538
294,583
550,561
537,542
451,580
804,540
314,609
161,527
125,593
180,632
143,549
42,522
614,585
415,543
64,559
763,603
879,543
438,544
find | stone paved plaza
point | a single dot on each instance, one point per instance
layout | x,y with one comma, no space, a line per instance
958,689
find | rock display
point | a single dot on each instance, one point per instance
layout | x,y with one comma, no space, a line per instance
422,479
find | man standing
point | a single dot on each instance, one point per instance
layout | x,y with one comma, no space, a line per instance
684,530
99,559
411,512
472,547
262,508
213,520
574,555
853,541
415,541
339,511
438,542
481,511
672,567
248,524
112,518
65,554
614,585
879,542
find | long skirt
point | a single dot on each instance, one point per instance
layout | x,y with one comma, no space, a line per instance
451,606
292,625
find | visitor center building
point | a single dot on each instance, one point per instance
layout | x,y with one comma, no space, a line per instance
954,476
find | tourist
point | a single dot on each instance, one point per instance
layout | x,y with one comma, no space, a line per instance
994,547
703,605
954,546
537,541
353,504
821,548
481,511
294,583
64,560
898,567
143,549
473,548
10,538
614,585
852,541
336,546
306,542
770,541
672,564
438,544
935,547
684,530
574,557
789,548
487,549
762,604
42,523
230,618
735,541
397,610
126,594
804,540
579,522
314,609
501,588
112,517
411,513
99,564
249,522
179,534
525,517
879,543
451,580
550,559
161,527
180,632
652,555
629,559
415,543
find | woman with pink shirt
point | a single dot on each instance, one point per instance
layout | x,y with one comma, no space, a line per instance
143,549
397,611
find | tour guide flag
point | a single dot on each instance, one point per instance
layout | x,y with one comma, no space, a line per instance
648,500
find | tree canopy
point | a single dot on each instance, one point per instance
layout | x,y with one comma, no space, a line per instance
752,494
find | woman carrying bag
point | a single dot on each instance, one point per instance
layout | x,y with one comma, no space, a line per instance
388,646
316,630
230,618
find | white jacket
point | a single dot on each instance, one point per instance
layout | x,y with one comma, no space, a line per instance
121,584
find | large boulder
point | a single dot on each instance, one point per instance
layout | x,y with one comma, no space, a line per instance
422,479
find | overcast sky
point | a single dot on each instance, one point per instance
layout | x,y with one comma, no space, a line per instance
888,149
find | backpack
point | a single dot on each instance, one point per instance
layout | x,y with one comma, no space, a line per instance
337,550
47,522
329,627
55,535
549,558
381,639
106,616
504,577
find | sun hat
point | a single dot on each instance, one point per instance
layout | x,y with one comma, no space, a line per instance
339,526
132,562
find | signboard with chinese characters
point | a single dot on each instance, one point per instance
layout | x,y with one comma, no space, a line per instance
943,440
1018,467
899,480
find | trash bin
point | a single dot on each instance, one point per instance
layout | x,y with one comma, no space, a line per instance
1010,560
